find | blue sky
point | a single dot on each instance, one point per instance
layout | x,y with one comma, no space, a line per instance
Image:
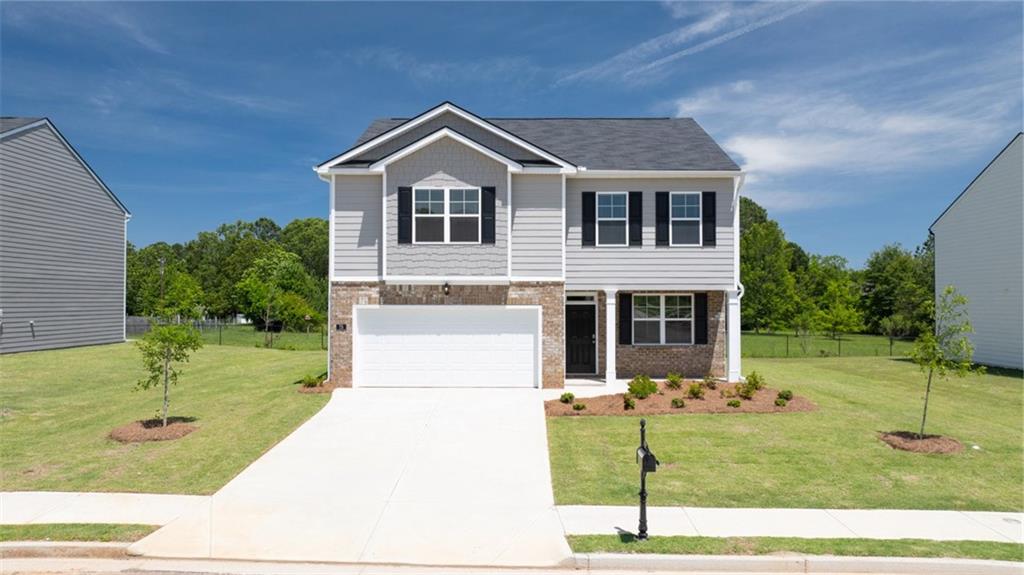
858,122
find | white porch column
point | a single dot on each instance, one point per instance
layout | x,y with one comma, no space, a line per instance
732,329
610,337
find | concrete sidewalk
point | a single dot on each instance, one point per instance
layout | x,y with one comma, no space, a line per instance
24,507
809,523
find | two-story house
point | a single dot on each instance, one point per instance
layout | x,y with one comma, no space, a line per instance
510,252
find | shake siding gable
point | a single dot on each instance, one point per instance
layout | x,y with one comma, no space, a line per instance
62,248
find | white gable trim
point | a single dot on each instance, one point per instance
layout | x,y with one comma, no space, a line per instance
418,145
446,107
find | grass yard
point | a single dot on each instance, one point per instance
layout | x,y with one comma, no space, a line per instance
828,458
849,345
105,532
246,336
58,407
771,545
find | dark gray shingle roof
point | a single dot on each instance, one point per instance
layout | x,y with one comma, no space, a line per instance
610,143
8,123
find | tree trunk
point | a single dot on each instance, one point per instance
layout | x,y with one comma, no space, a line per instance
167,384
927,393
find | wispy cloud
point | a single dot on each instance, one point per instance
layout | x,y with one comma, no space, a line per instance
436,71
100,19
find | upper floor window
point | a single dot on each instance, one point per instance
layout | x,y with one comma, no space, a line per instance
663,319
446,215
611,218
685,222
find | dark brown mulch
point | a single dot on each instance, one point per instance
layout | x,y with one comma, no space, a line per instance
153,430
909,441
322,388
715,401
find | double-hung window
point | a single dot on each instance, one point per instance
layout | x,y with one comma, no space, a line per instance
663,319
446,215
611,218
685,222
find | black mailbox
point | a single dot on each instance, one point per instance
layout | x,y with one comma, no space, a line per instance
648,462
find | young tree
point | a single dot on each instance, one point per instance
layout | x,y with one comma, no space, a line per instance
163,348
270,287
839,307
947,350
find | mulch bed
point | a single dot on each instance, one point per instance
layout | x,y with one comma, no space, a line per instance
661,403
909,441
322,388
153,430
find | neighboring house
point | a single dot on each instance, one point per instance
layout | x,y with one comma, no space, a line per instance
979,249
522,251
62,244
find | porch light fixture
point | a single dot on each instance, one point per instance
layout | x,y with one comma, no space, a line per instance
447,288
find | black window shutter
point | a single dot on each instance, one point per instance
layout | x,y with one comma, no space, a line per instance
404,215
661,218
589,215
700,318
636,218
707,216
626,318
487,213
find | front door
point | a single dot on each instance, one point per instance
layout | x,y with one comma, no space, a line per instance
580,339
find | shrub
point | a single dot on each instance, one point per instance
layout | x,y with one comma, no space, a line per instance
311,381
786,394
780,402
567,397
695,391
678,403
579,406
710,382
728,391
674,381
756,380
642,387
628,402
733,403
745,390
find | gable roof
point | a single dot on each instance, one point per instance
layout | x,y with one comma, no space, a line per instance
983,170
608,143
12,127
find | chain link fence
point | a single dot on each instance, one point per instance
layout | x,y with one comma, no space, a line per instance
221,332
816,345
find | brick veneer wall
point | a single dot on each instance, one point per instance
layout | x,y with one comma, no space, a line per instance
549,295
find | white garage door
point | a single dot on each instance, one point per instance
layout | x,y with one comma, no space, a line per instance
446,346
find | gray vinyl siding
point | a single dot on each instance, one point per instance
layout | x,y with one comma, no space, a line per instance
457,123
357,226
649,266
447,163
62,248
979,249
537,226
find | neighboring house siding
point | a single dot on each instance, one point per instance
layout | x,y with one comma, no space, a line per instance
979,249
357,226
537,226
447,163
649,266
466,128
61,248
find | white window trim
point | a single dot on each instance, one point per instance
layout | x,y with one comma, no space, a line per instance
661,319
598,219
699,219
447,215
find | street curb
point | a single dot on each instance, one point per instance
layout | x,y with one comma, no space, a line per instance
793,564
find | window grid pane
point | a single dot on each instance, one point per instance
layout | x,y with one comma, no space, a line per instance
646,331
685,206
677,331
611,206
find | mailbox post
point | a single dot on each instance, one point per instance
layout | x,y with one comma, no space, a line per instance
648,464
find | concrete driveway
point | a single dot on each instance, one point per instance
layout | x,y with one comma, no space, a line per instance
412,476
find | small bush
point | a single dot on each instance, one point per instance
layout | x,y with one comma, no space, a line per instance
628,402
567,397
642,387
674,381
733,403
780,402
311,381
786,394
710,381
695,391
678,403
579,406
745,390
728,391
756,380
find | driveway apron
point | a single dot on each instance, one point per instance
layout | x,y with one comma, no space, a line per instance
417,476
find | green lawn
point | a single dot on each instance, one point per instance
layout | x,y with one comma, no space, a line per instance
246,336
849,345
770,545
75,532
821,459
58,407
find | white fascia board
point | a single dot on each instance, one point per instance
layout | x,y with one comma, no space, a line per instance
585,173
379,165
355,279
446,107
453,280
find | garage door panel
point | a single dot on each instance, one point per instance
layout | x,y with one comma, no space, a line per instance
446,346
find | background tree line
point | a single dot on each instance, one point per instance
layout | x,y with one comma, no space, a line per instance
270,274
789,289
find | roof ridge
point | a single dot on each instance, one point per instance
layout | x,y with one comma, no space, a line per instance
393,119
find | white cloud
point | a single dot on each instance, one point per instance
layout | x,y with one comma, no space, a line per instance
426,71
94,18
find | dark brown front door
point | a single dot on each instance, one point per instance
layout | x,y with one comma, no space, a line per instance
580,339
